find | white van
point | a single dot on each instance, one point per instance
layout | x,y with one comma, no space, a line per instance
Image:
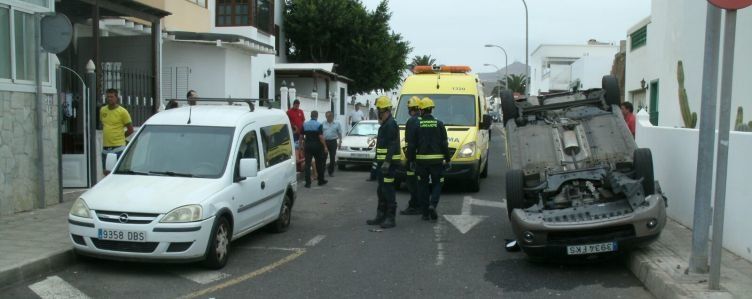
192,180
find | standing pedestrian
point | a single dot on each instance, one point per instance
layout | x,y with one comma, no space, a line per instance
411,128
372,114
430,150
315,148
333,138
297,117
355,116
116,126
387,159
628,111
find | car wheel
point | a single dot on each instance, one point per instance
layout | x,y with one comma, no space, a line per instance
218,249
643,166
341,166
508,107
484,173
515,180
474,184
285,216
611,85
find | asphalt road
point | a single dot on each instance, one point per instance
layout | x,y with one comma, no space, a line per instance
329,252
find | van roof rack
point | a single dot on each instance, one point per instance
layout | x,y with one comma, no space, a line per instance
249,101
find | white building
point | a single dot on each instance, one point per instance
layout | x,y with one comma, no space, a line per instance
675,31
556,67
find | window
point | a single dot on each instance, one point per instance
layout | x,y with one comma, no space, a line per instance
248,149
276,39
277,146
25,27
233,13
263,15
639,38
201,3
5,43
44,3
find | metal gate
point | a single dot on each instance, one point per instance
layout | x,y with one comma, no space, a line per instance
134,87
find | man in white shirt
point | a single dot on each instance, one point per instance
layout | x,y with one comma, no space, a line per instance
355,116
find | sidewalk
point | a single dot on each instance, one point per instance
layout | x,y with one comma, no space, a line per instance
662,268
36,242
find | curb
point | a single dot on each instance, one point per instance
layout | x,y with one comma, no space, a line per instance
644,264
36,268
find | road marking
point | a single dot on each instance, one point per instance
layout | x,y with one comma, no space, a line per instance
315,240
490,203
268,248
466,221
438,233
203,276
56,287
247,276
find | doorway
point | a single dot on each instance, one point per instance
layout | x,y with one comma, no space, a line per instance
654,102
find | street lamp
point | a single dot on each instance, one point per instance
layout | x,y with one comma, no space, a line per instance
527,66
506,58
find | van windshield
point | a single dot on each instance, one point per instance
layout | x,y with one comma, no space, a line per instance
452,109
185,151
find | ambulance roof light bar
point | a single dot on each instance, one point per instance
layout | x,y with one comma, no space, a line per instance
428,69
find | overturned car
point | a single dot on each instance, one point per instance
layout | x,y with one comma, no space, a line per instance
578,185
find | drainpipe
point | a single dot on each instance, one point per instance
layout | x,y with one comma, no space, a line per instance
59,87
41,203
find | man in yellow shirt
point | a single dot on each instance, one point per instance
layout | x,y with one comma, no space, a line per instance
116,125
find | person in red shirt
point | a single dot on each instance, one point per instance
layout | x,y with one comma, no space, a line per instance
297,117
627,110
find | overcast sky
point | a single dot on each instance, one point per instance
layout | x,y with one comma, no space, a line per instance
454,31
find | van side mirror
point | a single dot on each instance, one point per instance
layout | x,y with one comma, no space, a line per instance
248,168
110,161
486,123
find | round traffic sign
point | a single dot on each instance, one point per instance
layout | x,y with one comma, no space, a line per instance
57,33
731,4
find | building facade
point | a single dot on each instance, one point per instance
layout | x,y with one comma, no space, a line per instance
554,68
675,31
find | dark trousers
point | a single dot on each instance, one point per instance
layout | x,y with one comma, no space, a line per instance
386,191
315,151
331,145
429,193
412,185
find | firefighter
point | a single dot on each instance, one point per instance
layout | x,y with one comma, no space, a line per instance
431,153
387,158
413,206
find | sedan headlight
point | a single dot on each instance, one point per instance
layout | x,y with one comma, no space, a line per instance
189,213
344,148
467,150
79,209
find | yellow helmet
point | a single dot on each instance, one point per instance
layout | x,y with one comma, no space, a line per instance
426,103
383,102
413,102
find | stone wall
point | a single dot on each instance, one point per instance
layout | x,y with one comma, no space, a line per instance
19,175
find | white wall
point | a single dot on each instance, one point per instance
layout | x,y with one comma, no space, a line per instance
206,62
237,68
590,70
260,64
572,52
639,66
675,165
676,32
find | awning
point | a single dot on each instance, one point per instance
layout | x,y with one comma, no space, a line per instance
222,39
309,69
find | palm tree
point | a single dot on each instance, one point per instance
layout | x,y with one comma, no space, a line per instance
422,60
517,83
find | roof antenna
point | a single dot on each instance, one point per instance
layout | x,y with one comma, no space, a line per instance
190,109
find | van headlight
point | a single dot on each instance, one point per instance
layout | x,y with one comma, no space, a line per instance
189,213
79,209
467,150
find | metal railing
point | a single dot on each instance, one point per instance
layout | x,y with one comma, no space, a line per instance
134,87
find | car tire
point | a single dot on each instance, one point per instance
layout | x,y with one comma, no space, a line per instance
484,173
610,84
285,216
515,185
643,166
474,184
341,166
218,249
509,109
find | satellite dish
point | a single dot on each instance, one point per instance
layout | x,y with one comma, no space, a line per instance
57,33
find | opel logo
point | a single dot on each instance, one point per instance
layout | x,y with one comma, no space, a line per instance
123,218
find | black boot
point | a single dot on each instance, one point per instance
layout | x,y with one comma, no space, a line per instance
432,213
390,222
426,215
380,216
410,211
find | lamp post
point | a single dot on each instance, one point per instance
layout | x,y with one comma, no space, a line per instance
506,58
527,65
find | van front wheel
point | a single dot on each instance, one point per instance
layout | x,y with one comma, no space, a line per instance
474,184
218,250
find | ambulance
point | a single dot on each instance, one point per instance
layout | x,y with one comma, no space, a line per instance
463,108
